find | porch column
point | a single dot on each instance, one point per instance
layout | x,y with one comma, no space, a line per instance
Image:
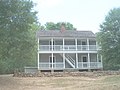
52,60
96,45
63,44
76,60
97,58
97,61
88,44
76,43
88,60
38,54
38,61
101,61
64,60
52,43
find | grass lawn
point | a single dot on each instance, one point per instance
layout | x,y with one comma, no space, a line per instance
7,82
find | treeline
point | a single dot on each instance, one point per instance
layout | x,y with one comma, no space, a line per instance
109,40
17,35
57,26
18,26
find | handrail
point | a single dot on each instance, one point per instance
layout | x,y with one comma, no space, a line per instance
67,57
71,59
82,65
47,65
69,47
92,65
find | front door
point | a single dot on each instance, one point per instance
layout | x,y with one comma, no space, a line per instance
85,61
50,61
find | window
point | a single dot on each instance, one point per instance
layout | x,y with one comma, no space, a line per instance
50,59
84,58
84,47
84,43
50,42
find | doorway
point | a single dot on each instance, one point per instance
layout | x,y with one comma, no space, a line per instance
50,61
85,61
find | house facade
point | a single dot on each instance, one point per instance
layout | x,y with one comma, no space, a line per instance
68,49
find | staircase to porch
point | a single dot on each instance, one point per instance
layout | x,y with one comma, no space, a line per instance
69,60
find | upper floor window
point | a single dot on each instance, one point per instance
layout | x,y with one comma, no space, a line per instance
50,42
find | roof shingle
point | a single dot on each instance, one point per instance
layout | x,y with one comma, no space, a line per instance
67,33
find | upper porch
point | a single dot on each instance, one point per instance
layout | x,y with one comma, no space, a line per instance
67,44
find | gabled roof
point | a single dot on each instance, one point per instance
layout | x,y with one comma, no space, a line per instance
67,33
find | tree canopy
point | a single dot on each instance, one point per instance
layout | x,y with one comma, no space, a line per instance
109,39
57,26
17,42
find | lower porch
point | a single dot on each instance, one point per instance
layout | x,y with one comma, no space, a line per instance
60,61
60,65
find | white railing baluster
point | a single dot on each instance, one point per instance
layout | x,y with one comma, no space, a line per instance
71,59
46,65
93,65
68,48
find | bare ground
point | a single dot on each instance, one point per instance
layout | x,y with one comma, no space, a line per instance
7,82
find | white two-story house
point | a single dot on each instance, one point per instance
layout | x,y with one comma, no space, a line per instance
68,49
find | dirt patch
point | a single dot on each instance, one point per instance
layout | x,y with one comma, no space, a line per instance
110,82
66,74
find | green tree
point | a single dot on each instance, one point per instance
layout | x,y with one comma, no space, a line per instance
50,26
109,39
17,42
57,26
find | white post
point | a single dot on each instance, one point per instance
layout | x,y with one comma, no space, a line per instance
89,60
52,43
76,60
101,61
63,44
38,54
88,43
52,60
38,61
96,45
97,60
64,60
76,43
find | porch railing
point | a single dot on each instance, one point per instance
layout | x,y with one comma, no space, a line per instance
46,65
89,65
68,48
81,65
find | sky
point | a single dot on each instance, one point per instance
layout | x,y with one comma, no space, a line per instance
83,14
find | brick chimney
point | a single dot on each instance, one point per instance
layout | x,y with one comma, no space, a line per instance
62,27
